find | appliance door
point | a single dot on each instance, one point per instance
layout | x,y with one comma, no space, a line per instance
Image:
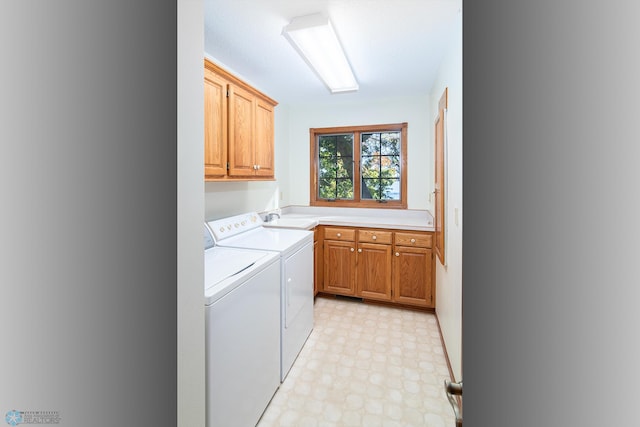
298,284
297,304
243,350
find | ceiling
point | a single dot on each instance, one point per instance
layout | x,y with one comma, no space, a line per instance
394,47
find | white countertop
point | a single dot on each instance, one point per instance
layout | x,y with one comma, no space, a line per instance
308,217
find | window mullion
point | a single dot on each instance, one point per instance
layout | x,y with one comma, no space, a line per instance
357,178
380,168
335,158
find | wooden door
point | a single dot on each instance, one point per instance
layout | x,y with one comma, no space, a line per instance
439,190
339,267
264,145
413,276
373,273
241,129
215,125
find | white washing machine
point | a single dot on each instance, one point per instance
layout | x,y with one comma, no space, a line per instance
295,249
242,312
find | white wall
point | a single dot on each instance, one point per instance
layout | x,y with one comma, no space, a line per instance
190,149
449,278
415,111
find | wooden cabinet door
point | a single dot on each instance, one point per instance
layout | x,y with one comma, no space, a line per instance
373,273
413,276
339,267
315,268
241,130
215,125
264,144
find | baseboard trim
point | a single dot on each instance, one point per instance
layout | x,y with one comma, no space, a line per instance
446,357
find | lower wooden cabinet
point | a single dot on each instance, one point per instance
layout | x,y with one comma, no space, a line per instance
373,273
339,267
413,276
384,265
317,263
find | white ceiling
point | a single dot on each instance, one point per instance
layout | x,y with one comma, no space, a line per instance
394,46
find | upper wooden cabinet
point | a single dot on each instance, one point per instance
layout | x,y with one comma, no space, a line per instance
215,125
238,128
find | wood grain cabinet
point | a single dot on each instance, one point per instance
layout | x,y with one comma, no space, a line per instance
239,128
317,262
215,125
383,265
413,269
339,261
373,274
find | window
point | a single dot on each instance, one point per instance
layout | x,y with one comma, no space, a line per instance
362,166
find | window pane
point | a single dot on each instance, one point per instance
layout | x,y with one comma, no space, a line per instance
370,167
370,189
380,166
390,143
335,164
327,146
391,190
344,167
390,167
344,145
345,189
328,167
380,189
327,189
370,143
336,188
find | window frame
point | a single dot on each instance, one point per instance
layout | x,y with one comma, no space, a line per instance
357,131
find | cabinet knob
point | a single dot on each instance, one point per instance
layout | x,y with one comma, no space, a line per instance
352,249
258,167
413,240
339,234
397,253
374,237
359,250
254,167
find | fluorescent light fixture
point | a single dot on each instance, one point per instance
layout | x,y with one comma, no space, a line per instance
317,43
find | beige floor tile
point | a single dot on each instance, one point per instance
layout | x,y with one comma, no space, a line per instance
365,365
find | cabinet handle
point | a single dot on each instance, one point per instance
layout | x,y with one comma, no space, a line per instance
339,234
258,167
397,253
359,250
352,249
254,167
374,237
413,240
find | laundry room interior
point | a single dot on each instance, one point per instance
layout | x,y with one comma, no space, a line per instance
369,175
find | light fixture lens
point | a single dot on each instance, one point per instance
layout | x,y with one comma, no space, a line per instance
316,41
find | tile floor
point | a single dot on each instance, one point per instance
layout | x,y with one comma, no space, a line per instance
365,365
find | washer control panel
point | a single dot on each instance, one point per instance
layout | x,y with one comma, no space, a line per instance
233,225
